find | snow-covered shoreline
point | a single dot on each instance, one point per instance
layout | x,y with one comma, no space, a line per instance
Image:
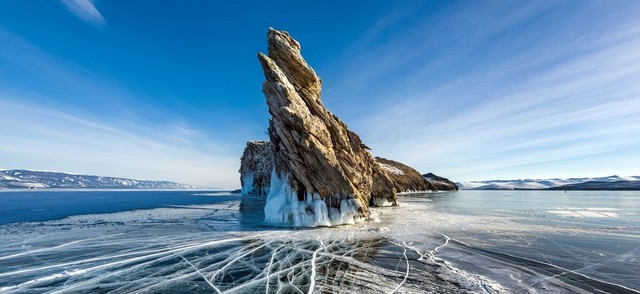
539,184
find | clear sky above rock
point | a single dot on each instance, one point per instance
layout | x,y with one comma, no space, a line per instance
469,90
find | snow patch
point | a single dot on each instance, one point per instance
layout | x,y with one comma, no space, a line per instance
28,185
391,169
628,178
382,202
8,178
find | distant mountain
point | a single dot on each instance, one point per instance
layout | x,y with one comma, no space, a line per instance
42,179
595,185
603,183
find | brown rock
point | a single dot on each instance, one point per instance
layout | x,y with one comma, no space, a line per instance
405,178
440,183
256,165
316,157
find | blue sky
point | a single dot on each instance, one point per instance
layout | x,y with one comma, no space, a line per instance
470,90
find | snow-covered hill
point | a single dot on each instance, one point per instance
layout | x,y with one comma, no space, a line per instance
539,184
44,179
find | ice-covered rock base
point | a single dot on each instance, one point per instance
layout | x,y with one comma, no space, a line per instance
255,168
247,183
250,188
284,208
382,202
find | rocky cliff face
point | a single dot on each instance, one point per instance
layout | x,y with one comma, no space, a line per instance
404,178
323,173
440,183
256,165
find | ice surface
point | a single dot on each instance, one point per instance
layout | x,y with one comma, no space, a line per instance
584,212
469,241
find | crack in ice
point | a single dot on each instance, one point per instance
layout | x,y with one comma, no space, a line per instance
56,247
407,274
313,266
197,270
234,260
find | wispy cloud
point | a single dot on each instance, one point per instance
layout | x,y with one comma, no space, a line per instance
48,139
85,10
481,98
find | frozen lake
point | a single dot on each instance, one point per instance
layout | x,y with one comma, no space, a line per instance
212,242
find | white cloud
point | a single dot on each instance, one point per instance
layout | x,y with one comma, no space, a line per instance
85,10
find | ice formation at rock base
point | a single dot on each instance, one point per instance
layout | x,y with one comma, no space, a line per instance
247,184
284,208
381,202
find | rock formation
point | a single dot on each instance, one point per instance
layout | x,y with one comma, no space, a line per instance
404,178
323,173
440,183
256,165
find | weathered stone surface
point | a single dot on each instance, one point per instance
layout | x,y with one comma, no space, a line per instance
440,183
404,178
256,165
315,154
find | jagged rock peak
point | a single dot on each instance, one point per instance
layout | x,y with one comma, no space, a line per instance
285,52
256,165
317,159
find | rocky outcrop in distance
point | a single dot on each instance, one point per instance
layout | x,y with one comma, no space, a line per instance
404,178
440,183
256,165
